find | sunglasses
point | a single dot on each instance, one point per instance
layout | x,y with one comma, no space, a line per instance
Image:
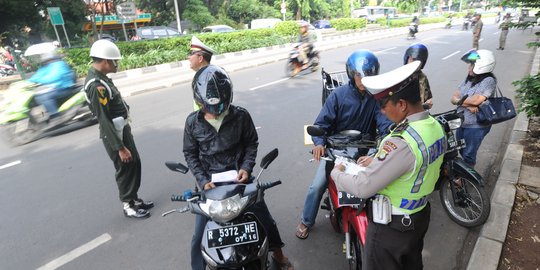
115,63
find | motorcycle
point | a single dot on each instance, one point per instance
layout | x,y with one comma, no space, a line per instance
295,65
347,212
413,29
466,24
461,188
7,70
22,120
234,238
448,24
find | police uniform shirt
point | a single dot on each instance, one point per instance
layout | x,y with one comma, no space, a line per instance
106,105
394,160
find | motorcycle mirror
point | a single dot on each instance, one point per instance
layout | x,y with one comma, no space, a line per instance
315,131
266,160
177,167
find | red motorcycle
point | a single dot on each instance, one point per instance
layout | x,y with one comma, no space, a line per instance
347,212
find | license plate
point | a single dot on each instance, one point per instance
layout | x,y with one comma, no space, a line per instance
233,235
345,198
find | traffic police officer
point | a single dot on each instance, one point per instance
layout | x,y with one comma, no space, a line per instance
112,113
400,176
200,56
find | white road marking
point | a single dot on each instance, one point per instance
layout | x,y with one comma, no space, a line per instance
10,164
70,256
389,49
267,84
257,127
480,40
454,53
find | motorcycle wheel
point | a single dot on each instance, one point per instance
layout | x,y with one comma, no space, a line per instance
465,201
315,63
355,263
18,138
289,69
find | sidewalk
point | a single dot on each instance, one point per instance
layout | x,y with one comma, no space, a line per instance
488,248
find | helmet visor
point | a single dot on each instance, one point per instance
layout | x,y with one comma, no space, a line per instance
470,57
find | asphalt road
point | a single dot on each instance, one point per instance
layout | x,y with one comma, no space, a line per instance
59,199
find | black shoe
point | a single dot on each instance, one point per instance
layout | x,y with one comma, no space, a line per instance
140,204
132,212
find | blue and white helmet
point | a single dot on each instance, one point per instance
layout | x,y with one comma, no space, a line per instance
362,62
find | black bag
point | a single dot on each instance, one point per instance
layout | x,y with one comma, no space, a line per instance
495,109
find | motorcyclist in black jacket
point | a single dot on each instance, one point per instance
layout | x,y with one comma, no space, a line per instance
222,137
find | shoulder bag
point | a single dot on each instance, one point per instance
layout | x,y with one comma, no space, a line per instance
495,109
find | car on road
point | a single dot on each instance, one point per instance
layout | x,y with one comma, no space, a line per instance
320,24
155,32
218,29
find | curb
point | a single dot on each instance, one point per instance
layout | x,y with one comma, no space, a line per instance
488,248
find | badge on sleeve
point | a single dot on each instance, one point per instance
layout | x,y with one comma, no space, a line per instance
386,149
102,97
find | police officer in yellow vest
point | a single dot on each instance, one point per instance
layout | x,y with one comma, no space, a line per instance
400,176
112,113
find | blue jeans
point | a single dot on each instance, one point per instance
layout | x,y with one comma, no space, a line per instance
48,100
313,199
197,260
473,138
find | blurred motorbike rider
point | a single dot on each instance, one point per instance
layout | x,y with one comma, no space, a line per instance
306,44
55,77
419,52
348,107
221,137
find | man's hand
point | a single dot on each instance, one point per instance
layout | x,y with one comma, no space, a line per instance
364,161
243,176
209,185
318,152
125,154
340,167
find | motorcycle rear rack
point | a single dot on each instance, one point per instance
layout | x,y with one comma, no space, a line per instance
331,81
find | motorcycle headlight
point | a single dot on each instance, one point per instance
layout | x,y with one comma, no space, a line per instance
228,209
454,123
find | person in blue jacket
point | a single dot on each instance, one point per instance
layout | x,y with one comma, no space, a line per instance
348,107
55,77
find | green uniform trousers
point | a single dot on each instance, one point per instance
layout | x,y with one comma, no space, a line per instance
128,175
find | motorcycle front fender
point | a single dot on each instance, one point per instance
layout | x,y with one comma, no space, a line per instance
461,168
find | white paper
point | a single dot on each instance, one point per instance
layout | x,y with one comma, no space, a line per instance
350,166
228,176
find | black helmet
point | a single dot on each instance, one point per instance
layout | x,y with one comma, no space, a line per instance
212,89
418,52
362,62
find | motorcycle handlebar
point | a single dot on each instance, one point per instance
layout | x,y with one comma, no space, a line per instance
270,184
177,198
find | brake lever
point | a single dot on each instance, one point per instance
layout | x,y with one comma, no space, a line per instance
179,210
323,158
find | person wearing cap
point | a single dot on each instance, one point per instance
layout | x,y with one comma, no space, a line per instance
504,26
305,45
348,107
112,112
477,30
199,56
400,176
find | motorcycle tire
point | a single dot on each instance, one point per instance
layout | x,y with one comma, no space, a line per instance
357,250
18,138
471,205
289,69
315,63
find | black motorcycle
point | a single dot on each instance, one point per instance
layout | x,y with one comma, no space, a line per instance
234,238
413,29
461,188
295,65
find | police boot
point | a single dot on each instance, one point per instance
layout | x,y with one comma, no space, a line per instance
131,211
140,204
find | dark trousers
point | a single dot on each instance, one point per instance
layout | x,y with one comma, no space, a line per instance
128,175
264,216
394,246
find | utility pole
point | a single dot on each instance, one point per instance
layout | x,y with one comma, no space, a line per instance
177,17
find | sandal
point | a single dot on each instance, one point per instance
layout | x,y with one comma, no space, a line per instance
302,233
287,265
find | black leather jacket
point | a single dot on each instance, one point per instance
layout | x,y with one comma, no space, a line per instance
208,151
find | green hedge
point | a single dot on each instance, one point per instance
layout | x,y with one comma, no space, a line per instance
407,21
348,23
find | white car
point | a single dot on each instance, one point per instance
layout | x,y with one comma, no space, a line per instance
218,29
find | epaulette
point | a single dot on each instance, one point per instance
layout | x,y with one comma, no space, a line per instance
397,129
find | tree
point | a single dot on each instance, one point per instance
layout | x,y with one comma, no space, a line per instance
198,13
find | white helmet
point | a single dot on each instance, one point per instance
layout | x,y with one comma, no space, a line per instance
483,60
105,49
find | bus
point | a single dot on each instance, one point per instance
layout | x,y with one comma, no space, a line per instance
373,13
